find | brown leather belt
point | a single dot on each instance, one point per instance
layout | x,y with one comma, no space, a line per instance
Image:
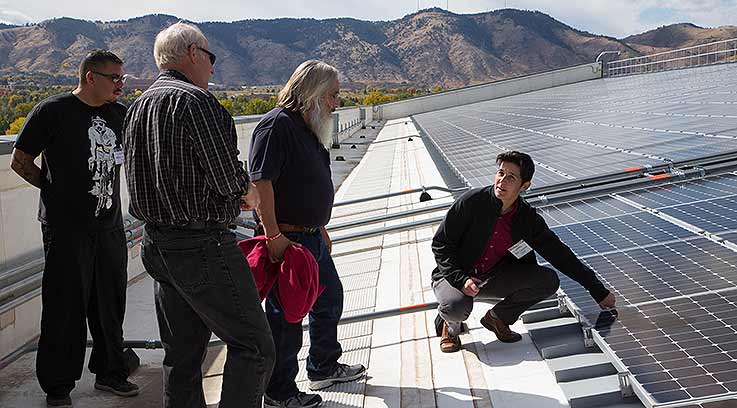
297,228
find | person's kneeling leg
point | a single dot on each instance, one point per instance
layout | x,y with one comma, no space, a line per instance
453,309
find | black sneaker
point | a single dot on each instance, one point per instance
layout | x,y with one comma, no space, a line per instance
343,373
118,387
59,401
301,400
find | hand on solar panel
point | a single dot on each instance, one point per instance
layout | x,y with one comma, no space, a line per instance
471,287
608,302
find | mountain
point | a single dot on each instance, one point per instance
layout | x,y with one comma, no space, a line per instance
676,36
427,48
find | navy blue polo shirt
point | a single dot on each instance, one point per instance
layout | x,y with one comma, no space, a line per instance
285,151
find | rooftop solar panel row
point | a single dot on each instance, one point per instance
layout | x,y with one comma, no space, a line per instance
676,331
678,350
594,127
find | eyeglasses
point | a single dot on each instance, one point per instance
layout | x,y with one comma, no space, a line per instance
212,56
117,79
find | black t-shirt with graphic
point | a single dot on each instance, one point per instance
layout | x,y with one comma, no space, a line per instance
81,154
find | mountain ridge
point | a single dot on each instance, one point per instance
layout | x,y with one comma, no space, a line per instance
426,48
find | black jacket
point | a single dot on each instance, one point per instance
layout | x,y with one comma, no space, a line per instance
470,221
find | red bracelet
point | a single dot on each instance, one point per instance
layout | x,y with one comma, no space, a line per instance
268,238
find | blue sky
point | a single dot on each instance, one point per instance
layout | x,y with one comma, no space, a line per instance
617,18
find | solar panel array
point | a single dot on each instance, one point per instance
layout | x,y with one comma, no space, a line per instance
668,252
676,287
594,127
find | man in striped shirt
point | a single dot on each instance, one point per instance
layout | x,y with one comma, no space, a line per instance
186,183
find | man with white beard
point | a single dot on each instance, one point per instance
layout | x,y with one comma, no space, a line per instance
290,166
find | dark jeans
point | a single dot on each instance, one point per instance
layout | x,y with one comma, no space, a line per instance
204,286
324,316
519,285
84,280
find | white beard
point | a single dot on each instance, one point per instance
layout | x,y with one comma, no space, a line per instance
320,123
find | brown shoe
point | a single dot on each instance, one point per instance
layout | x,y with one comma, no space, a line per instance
448,343
502,331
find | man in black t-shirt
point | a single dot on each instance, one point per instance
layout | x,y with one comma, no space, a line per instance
78,136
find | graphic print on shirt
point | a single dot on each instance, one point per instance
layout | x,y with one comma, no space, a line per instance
101,163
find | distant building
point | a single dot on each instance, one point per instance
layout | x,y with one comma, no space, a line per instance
262,89
139,83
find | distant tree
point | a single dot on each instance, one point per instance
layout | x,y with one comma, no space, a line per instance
376,98
22,109
258,106
228,104
14,100
436,89
15,126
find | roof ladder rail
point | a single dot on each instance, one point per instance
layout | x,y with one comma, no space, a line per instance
625,385
562,306
588,337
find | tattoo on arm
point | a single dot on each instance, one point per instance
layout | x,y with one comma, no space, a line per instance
22,163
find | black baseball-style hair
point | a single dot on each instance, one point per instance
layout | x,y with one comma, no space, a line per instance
523,160
94,61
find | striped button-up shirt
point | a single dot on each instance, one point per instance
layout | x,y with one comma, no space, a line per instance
181,155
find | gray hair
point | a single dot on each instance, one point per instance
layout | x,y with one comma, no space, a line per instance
308,84
173,43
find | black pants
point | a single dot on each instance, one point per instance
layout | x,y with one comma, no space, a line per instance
204,286
84,280
520,286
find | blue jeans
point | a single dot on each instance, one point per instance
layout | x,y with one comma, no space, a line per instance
324,316
204,286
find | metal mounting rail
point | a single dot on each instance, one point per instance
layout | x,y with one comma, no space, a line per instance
388,217
642,175
641,182
399,193
386,230
156,344
19,285
629,174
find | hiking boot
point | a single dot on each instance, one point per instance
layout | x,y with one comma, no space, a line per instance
59,401
343,373
501,329
448,343
301,400
118,387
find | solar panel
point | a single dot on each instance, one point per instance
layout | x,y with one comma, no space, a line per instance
686,192
677,324
618,233
658,272
584,210
594,127
714,216
678,350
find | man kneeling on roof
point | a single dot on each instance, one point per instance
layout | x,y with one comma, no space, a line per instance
486,246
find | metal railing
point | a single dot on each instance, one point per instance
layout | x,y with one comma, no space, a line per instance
717,52
22,284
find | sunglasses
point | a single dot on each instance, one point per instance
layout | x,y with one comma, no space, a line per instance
117,79
212,56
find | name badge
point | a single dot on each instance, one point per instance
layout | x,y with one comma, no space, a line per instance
520,249
119,156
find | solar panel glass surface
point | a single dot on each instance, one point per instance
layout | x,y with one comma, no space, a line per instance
594,127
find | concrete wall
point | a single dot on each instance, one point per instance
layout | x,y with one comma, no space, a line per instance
478,93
